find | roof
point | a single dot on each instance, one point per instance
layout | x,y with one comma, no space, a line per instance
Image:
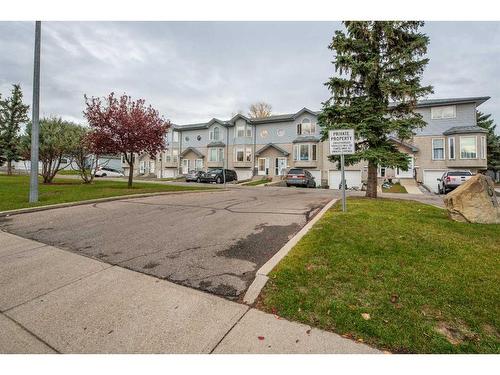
410,146
192,149
465,129
216,144
478,100
307,138
256,121
272,145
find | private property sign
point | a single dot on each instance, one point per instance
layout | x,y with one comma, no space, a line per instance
341,141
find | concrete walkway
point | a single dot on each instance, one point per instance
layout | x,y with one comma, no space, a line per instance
410,186
54,301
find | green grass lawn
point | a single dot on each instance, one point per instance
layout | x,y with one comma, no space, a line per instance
14,191
429,284
257,182
69,172
396,188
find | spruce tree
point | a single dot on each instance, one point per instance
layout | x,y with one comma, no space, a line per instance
492,140
13,114
379,66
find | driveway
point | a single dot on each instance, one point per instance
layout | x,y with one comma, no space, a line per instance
213,241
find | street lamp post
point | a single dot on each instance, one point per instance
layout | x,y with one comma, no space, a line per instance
35,126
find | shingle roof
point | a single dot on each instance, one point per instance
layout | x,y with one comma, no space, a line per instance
465,130
284,152
189,149
433,102
292,116
216,144
307,138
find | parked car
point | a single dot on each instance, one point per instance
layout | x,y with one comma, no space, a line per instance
108,172
194,176
300,177
216,175
451,180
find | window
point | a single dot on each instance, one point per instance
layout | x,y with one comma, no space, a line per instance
438,149
451,148
175,136
468,148
198,164
214,134
438,113
306,127
175,155
305,152
243,130
186,139
216,154
198,137
264,133
482,150
242,154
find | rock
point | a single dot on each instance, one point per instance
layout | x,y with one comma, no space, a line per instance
474,201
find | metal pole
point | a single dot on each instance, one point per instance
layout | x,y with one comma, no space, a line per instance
344,208
35,126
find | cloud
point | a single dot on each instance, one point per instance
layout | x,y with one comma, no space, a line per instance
193,71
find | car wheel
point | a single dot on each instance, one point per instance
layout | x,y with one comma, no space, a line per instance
218,181
104,175
287,185
198,180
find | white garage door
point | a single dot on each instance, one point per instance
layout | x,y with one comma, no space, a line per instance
352,179
430,179
243,174
317,177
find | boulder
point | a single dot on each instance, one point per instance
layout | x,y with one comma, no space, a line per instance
474,201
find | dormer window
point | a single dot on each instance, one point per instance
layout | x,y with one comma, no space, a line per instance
438,113
306,127
214,134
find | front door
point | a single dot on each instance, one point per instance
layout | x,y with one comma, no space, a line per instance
406,174
185,166
263,165
280,166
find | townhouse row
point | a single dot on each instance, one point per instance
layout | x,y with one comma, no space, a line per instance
270,146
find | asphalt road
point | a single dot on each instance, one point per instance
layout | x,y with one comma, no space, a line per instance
213,241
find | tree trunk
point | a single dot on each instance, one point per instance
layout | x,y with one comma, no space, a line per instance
371,184
9,167
130,173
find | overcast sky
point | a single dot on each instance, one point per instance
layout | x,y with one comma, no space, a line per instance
192,71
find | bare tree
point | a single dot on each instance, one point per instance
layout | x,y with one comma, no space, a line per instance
260,110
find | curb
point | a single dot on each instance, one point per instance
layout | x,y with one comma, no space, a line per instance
101,200
261,277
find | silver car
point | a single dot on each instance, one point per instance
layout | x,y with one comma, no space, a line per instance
452,179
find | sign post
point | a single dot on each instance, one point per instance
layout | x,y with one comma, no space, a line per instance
342,143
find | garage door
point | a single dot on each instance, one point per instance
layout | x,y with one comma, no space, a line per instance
243,174
352,178
430,178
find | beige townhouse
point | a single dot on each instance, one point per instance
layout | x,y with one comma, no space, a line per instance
270,146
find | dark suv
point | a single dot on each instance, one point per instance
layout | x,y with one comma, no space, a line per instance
216,175
300,177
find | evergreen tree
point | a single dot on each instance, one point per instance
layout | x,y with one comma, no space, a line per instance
13,114
377,63
492,140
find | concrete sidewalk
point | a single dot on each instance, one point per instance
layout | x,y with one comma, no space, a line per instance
54,301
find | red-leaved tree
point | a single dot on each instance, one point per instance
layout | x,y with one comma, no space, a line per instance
124,126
